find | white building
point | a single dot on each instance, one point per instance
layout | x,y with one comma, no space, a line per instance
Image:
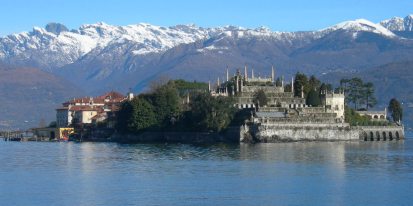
334,102
82,110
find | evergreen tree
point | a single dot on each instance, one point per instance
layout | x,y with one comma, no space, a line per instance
300,83
313,99
354,90
313,83
123,116
359,93
260,98
395,110
142,115
370,99
211,113
344,84
167,104
278,82
325,87
287,88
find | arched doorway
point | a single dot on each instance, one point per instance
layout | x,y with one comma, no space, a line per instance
378,135
384,136
371,136
365,136
390,136
397,135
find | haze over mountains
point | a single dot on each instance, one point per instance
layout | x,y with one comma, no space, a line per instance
100,57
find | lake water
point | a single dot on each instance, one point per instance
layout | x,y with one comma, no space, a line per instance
302,173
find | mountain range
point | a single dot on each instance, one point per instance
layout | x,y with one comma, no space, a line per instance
100,57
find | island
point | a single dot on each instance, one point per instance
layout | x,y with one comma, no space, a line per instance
244,108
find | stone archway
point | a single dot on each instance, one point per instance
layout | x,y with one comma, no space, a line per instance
371,136
390,136
365,136
384,136
377,135
397,135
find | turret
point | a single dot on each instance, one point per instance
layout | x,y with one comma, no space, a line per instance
130,94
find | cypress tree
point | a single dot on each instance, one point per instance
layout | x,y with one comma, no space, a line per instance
313,99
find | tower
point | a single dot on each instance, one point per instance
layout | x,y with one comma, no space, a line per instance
130,94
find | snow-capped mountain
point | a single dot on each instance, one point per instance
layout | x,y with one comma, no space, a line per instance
361,25
100,57
56,46
49,49
399,24
97,53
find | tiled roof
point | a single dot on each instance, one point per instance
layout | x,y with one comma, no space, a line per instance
110,100
109,97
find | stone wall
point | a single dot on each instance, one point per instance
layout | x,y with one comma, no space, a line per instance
289,131
381,133
265,88
303,132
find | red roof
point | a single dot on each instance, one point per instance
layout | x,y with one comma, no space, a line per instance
112,95
109,97
111,101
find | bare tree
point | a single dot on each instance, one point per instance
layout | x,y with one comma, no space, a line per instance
158,82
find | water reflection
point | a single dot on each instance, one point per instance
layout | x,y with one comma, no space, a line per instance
334,173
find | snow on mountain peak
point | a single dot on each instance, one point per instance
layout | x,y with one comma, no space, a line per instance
55,45
408,22
399,24
393,24
360,25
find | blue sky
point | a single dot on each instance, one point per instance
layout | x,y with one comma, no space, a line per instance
287,15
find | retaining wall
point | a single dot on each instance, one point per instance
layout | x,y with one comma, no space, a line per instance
281,132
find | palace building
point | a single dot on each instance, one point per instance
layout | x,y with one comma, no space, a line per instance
87,110
281,101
